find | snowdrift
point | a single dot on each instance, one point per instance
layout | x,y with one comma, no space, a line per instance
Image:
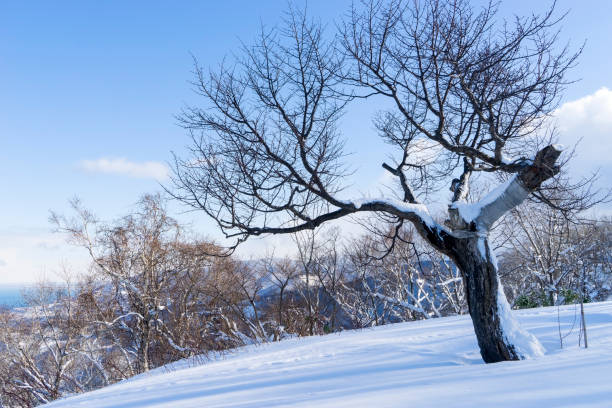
432,363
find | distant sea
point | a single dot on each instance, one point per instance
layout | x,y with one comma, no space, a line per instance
11,295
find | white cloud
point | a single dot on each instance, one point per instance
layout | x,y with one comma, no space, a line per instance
588,122
592,110
149,169
588,119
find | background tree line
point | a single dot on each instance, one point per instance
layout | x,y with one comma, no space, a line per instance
156,294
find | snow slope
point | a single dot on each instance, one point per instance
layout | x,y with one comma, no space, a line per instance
431,363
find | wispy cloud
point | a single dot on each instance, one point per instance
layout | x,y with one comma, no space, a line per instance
150,169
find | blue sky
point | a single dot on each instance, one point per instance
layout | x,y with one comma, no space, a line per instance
89,90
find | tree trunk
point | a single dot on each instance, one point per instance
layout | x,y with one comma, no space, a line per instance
143,350
499,336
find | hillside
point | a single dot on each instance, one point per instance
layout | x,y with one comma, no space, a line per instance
422,364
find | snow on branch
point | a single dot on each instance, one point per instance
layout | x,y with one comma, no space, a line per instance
486,211
481,215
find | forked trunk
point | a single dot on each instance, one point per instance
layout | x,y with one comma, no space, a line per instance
500,337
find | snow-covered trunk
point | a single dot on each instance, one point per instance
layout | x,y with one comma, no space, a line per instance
500,338
499,335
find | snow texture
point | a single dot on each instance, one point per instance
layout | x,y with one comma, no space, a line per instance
420,210
499,200
525,344
431,363
558,147
469,212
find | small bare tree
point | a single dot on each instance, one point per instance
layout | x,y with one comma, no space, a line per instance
44,352
282,274
537,239
548,257
267,151
407,281
142,259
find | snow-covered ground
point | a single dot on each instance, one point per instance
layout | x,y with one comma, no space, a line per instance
431,363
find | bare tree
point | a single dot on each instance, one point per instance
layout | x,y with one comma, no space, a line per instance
267,154
330,270
535,254
45,351
546,257
142,259
282,274
408,282
307,286
246,279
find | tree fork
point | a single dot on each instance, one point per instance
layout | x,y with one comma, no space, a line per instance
487,305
